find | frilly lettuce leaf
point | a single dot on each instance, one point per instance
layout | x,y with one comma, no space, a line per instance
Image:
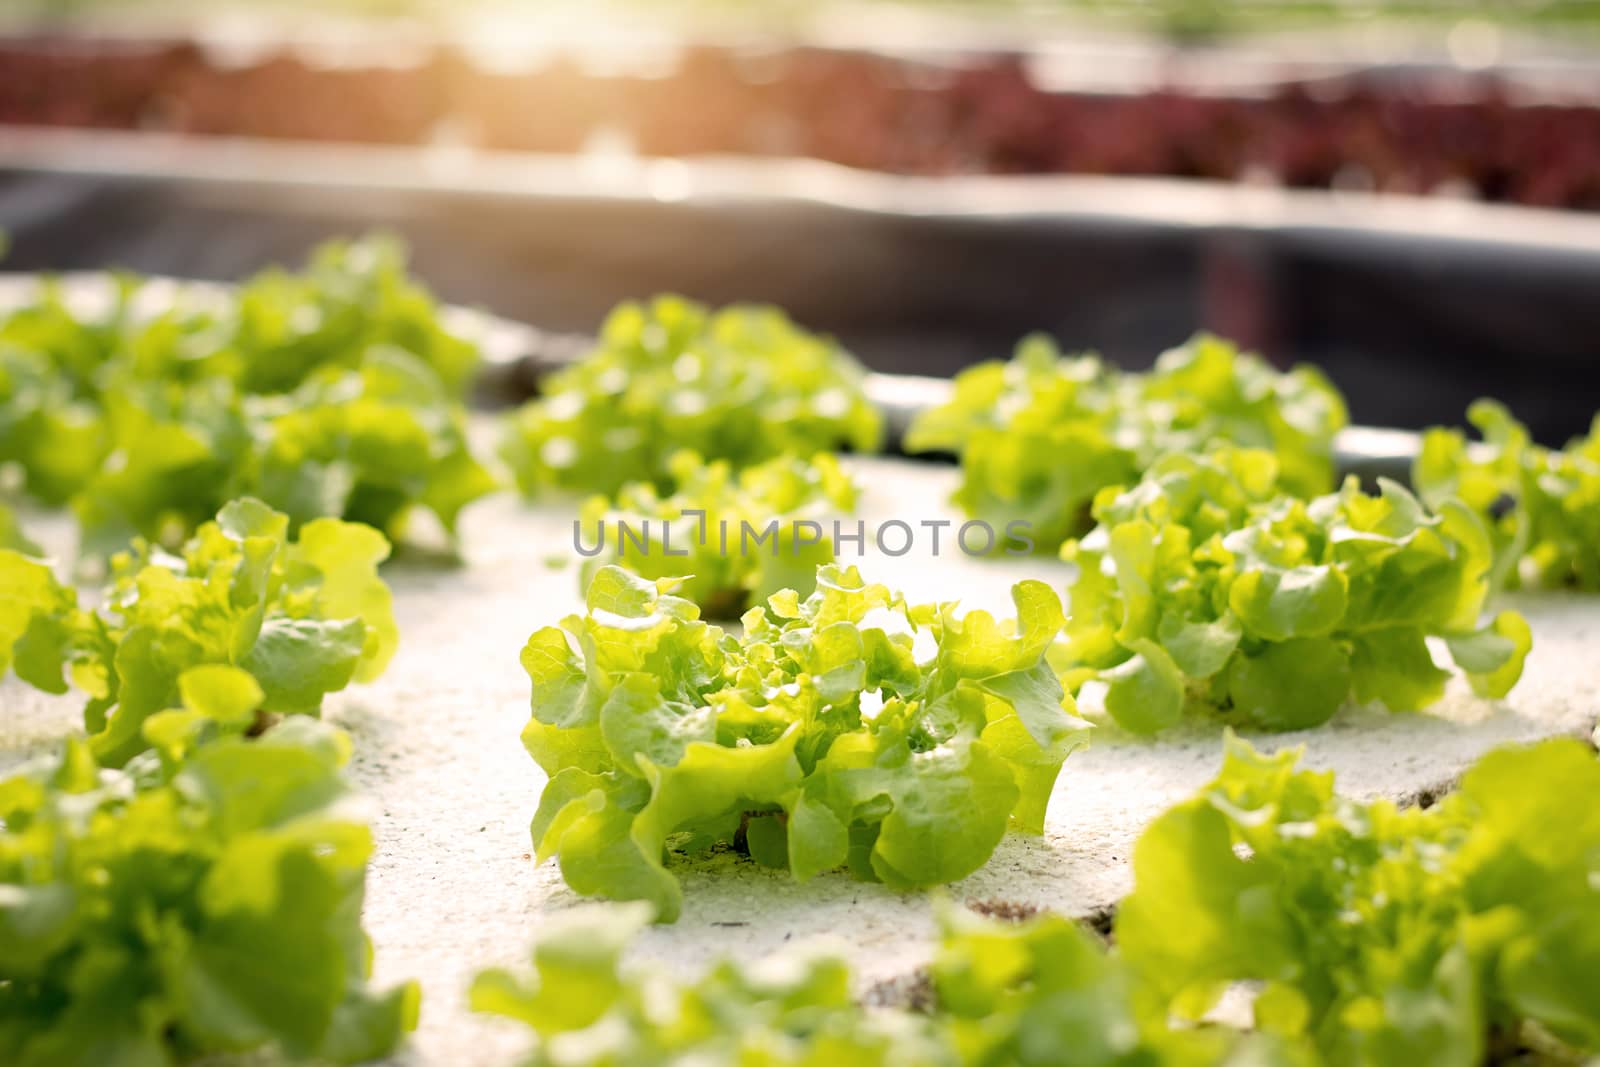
1203,586
39,618
738,537
821,738
352,297
1040,436
742,384
366,445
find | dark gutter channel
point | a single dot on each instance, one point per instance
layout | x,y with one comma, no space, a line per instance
1411,322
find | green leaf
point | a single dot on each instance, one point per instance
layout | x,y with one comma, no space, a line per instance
365,1024
299,661
1041,436
950,809
1290,686
582,1000
1279,608
1200,649
35,620
1383,936
1541,505
1493,656
577,980
558,679
1145,693
732,538
640,728
36,922
344,558
600,857
709,781
1395,667
1213,920
1298,602
819,840
1036,697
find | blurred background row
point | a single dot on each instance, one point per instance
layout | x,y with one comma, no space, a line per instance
1407,193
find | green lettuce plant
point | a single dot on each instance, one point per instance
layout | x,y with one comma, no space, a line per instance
1386,936
1204,586
1542,504
1040,435
714,527
742,384
823,737
304,616
588,1010
335,392
369,445
1044,991
158,914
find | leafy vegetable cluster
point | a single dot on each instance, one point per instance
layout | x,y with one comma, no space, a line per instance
1031,994
1203,584
1044,991
152,915
331,393
824,737
794,1011
1542,504
1002,994
1039,436
739,537
1385,936
303,617
742,384
589,1011
207,896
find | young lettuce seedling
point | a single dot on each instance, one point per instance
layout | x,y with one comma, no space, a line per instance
826,735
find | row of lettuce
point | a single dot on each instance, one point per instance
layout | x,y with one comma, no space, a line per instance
337,392
1219,565
185,877
333,392
189,884
1219,569
1462,934
183,881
